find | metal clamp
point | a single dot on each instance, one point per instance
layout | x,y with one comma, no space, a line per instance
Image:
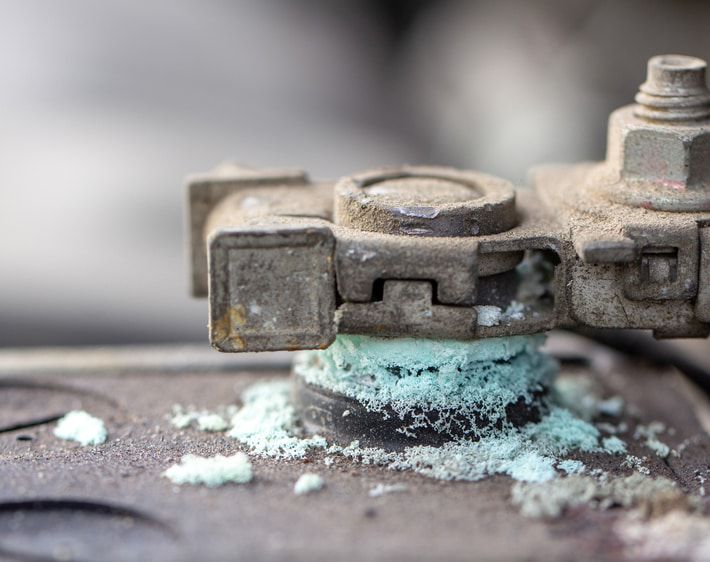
445,253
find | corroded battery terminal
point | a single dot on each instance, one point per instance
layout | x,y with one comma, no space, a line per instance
459,268
445,253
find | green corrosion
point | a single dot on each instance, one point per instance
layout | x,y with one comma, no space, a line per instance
267,423
532,453
479,378
419,375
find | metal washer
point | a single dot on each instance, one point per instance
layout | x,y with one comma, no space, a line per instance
425,201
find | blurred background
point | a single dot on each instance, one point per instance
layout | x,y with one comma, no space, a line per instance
107,106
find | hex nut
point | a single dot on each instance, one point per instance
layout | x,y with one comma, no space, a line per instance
658,151
673,156
655,165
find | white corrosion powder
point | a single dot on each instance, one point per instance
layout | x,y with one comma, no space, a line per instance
268,425
308,483
81,427
420,375
529,453
551,499
210,471
204,420
382,489
417,377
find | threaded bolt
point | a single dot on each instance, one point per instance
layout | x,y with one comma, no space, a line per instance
674,90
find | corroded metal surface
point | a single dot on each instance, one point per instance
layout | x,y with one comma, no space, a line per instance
434,202
61,501
344,420
413,251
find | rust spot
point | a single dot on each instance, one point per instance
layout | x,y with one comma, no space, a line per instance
224,331
237,342
237,315
293,345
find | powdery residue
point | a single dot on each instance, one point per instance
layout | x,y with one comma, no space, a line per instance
551,499
514,311
81,427
677,535
613,406
571,467
475,379
204,420
210,471
581,395
414,377
382,489
308,483
614,445
649,433
529,453
212,423
267,423
487,315
637,463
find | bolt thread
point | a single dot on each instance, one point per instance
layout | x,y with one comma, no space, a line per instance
675,90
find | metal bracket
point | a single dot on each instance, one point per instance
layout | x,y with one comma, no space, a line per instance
445,253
